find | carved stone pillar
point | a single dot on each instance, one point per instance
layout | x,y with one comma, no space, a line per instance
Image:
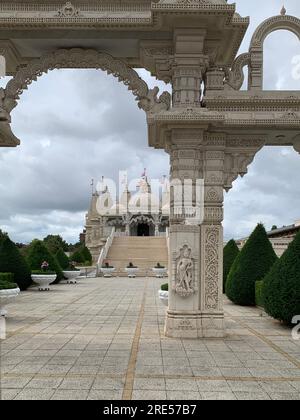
188,68
256,68
196,246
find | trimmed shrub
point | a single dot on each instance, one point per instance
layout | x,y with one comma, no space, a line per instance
62,259
37,254
11,261
258,293
251,265
230,253
281,288
86,255
77,257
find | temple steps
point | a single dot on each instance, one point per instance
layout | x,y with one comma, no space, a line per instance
144,252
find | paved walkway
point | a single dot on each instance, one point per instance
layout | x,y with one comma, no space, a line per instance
103,339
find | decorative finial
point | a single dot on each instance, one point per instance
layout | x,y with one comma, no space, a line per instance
92,185
283,11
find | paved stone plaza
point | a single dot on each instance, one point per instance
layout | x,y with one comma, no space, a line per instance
103,339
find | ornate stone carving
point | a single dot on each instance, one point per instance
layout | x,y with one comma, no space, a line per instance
7,138
68,11
235,77
211,270
81,58
184,285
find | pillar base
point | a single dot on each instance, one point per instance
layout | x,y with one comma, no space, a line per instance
194,325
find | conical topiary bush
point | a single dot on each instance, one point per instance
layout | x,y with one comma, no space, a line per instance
38,253
77,257
62,259
281,286
230,253
11,261
86,254
252,264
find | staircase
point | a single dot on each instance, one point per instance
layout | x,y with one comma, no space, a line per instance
144,252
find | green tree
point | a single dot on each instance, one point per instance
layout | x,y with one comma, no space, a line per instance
38,253
230,253
281,286
11,261
62,259
54,243
251,265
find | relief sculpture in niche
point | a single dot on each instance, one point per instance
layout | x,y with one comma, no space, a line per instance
185,273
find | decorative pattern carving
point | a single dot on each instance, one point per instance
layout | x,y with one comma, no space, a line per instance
211,270
185,273
68,11
81,58
275,23
236,77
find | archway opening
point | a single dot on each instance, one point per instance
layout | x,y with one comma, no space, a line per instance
281,61
74,125
269,193
143,229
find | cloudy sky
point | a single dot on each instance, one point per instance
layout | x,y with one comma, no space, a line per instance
77,125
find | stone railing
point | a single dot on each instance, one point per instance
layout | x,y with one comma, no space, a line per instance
104,250
120,234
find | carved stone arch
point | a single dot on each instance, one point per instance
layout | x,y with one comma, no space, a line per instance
275,23
85,59
81,59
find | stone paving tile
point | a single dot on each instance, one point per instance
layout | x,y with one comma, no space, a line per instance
181,385
149,395
213,386
77,382
233,372
252,396
149,370
207,372
62,394
17,382
108,384
216,396
9,394
178,371
277,387
157,384
105,395
188,395
24,368
284,396
35,394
